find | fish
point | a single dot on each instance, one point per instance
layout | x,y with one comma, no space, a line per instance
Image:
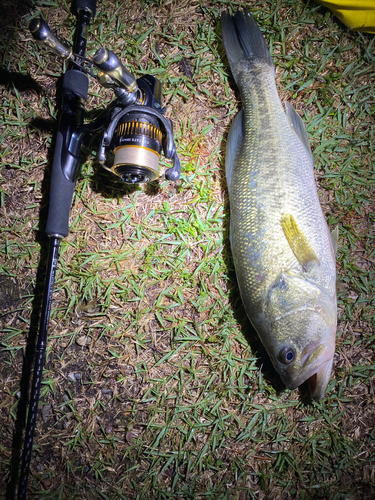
283,252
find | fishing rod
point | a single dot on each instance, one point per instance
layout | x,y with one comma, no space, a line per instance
133,135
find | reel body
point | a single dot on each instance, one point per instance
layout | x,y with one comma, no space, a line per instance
137,141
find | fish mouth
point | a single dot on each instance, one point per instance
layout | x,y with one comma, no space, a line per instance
319,381
315,368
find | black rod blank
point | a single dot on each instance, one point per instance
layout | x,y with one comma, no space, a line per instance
38,366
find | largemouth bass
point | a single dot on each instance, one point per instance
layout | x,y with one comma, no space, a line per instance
282,249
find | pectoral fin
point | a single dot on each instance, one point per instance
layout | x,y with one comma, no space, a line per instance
298,241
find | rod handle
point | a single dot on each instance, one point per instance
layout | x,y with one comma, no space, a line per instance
61,193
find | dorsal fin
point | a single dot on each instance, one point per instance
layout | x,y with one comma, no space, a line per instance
233,143
297,125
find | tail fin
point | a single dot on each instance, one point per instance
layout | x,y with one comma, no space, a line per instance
243,40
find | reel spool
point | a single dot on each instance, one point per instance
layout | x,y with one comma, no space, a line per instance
137,146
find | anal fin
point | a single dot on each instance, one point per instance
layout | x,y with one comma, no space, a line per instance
335,239
297,125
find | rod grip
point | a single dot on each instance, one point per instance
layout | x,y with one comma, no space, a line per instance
61,194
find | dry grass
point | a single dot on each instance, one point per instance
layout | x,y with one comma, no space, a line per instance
154,385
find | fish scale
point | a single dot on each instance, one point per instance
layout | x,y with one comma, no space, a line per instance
281,246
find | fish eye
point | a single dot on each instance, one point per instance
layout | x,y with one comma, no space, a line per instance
286,355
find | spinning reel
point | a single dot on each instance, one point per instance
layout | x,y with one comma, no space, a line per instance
134,131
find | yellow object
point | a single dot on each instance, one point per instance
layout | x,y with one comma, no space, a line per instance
355,14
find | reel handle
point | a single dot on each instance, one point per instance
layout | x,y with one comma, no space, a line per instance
108,63
43,33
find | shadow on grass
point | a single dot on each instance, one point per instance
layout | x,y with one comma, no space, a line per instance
11,14
21,81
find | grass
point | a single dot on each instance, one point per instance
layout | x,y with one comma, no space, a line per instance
154,385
